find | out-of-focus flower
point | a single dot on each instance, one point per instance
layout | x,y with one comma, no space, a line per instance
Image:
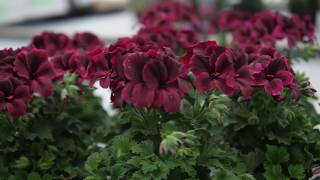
14,96
171,14
177,40
54,43
7,57
266,28
87,41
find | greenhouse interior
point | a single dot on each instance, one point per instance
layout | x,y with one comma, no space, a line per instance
159,90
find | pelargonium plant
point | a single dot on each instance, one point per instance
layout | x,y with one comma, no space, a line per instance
45,106
188,108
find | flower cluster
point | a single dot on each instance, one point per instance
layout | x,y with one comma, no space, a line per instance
217,67
58,43
171,14
24,71
177,40
146,76
266,28
33,69
82,55
228,21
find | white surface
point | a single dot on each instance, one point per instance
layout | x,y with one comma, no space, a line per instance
18,10
108,26
312,70
105,95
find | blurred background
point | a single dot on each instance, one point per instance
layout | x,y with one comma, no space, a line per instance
111,19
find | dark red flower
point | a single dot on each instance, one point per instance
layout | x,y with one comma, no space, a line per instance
251,33
177,40
212,66
7,57
170,14
276,76
99,69
267,27
14,96
65,63
243,79
229,20
34,67
87,41
116,54
52,42
294,29
153,81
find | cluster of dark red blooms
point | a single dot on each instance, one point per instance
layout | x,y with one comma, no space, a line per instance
145,70
264,28
32,69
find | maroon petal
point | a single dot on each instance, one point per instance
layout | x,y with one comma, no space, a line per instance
170,100
134,65
154,73
23,93
223,64
203,82
21,65
172,68
245,88
45,71
286,77
142,96
2,103
104,82
274,87
42,86
127,92
223,87
6,87
35,58
117,99
17,108
199,64
184,84
157,100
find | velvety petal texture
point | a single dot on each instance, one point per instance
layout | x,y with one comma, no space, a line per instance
36,70
14,96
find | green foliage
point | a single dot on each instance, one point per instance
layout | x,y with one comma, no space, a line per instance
54,139
303,52
212,137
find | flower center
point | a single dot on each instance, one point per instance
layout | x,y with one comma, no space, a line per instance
215,75
270,76
9,97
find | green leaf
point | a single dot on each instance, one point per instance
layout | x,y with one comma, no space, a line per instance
145,148
92,162
223,175
148,166
247,177
122,145
22,162
47,160
253,160
34,176
274,172
297,171
277,155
